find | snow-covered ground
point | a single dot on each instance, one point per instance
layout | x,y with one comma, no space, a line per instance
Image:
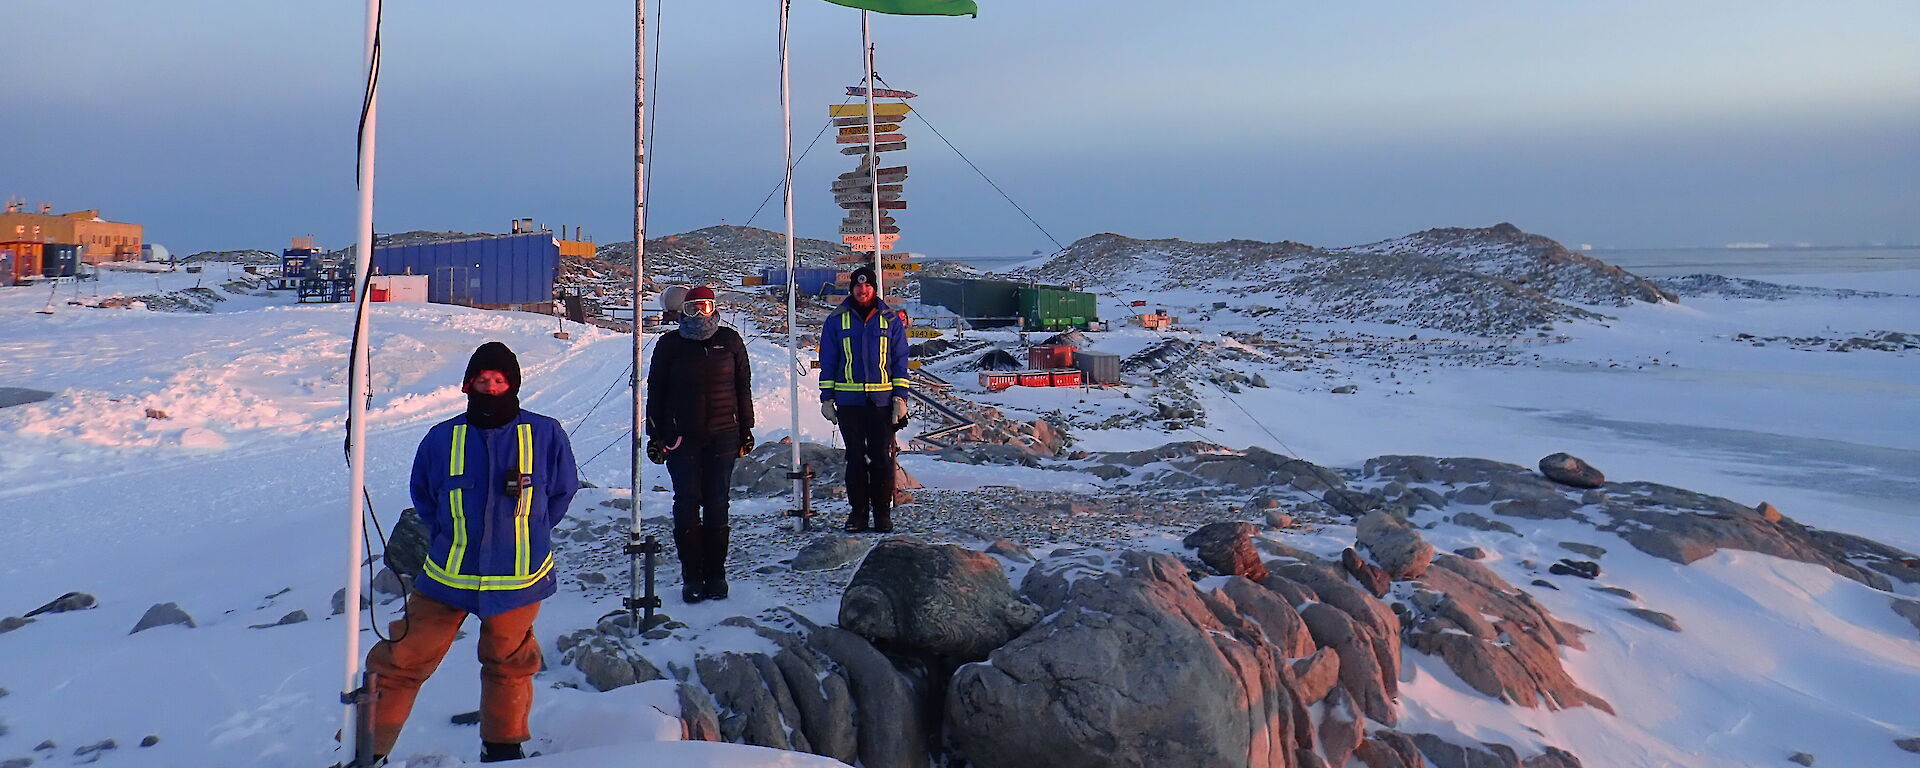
232,506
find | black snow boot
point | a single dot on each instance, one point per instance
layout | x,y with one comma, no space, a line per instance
496,752
716,560
693,568
857,521
883,519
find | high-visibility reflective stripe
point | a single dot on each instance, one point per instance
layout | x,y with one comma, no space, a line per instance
846,359
826,384
858,386
903,383
522,541
489,583
456,504
456,500
883,350
457,461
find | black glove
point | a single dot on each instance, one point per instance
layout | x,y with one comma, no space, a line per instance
656,451
746,443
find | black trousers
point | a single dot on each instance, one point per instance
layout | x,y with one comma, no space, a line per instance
702,476
869,433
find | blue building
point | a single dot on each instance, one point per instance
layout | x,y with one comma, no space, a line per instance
506,272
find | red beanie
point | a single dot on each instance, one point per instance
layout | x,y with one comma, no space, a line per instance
701,293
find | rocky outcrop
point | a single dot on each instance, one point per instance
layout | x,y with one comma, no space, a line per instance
1496,638
944,600
162,615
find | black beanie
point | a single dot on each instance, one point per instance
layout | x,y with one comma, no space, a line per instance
494,356
863,272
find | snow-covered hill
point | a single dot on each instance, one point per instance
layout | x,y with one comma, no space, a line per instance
1491,281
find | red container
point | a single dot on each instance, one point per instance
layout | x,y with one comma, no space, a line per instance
1049,357
1069,377
996,381
1036,378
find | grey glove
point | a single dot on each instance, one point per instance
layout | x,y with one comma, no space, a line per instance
832,413
899,410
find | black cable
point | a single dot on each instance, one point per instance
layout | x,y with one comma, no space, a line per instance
603,396
796,163
616,441
653,80
916,112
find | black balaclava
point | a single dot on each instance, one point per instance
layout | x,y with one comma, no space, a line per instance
492,411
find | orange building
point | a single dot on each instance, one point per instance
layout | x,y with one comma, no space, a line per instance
105,240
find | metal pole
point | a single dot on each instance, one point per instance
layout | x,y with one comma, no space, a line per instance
638,448
793,329
356,385
873,155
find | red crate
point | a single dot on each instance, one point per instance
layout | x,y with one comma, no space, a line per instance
996,381
1069,377
1036,378
1050,357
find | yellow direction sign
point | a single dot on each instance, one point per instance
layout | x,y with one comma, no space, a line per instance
867,239
924,333
903,266
892,112
861,130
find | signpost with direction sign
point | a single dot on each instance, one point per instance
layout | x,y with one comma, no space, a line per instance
869,194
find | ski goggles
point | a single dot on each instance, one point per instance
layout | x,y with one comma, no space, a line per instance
698,307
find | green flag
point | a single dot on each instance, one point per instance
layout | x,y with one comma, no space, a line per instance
914,7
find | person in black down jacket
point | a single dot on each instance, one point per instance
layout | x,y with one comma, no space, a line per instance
699,420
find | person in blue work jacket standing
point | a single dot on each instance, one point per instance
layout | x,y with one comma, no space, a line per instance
490,484
863,388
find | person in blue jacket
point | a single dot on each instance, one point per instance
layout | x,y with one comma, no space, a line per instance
490,484
863,388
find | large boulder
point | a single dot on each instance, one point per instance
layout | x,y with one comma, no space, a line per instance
1137,668
942,599
407,546
1396,546
1228,549
1568,469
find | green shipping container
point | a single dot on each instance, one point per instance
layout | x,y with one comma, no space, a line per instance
1055,308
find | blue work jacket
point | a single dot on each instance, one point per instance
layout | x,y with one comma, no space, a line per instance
490,550
863,361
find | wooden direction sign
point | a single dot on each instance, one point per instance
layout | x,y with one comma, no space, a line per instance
865,182
901,170
903,266
863,196
866,241
891,111
862,149
861,138
839,188
885,205
924,333
861,129
880,93
865,215
866,228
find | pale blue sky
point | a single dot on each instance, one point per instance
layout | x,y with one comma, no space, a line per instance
230,123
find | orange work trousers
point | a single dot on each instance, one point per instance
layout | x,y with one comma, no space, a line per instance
509,657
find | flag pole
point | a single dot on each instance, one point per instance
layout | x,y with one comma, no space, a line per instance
353,695
873,154
793,330
637,448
